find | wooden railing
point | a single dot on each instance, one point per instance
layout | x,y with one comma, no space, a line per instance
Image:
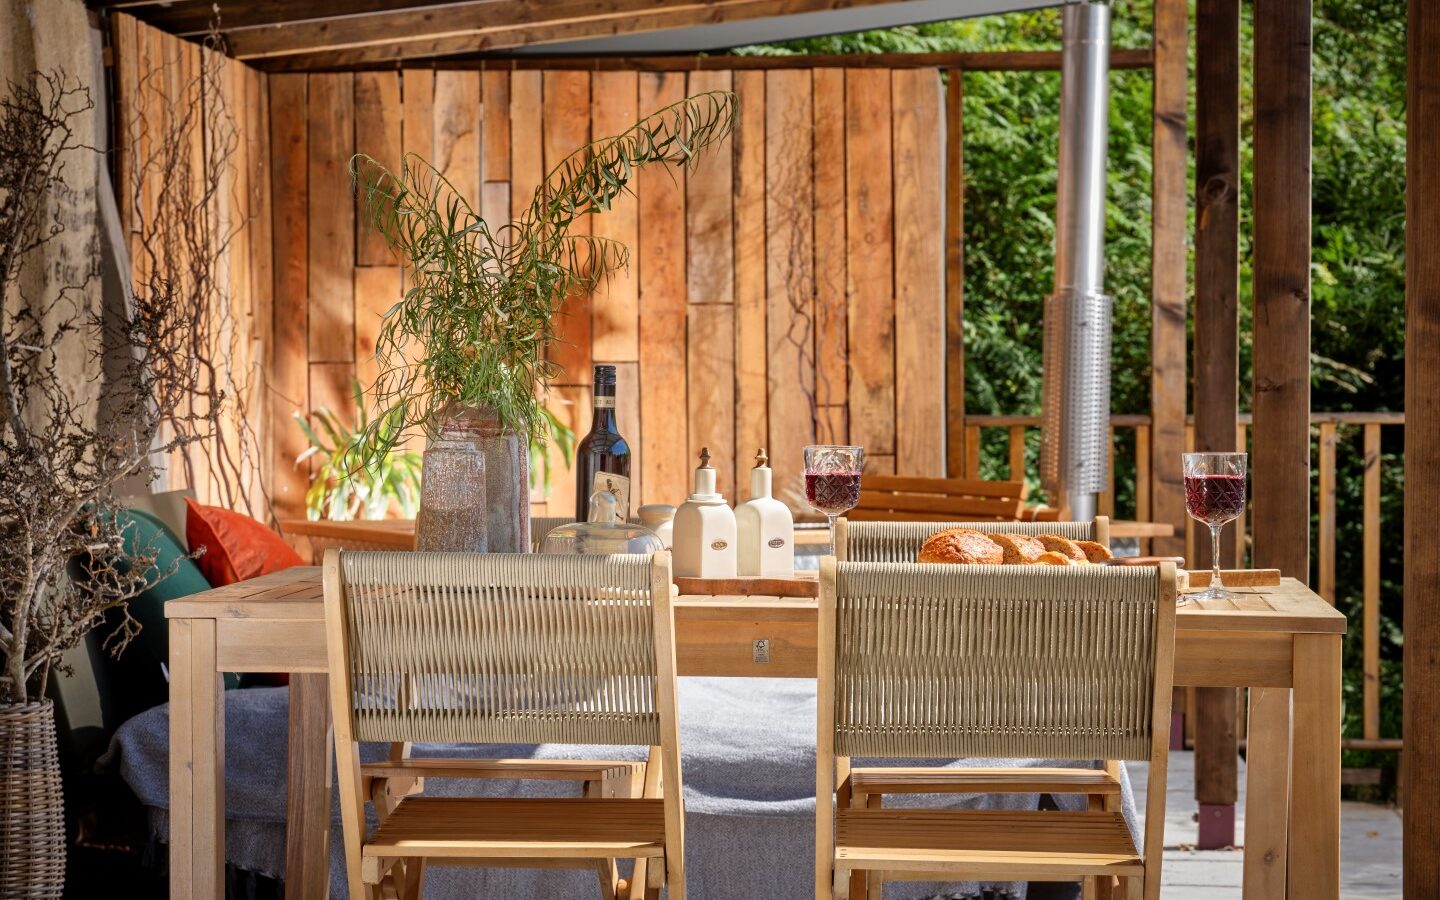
1330,430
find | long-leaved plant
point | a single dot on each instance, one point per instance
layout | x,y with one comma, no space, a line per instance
480,308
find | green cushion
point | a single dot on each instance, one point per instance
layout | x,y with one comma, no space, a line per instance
145,532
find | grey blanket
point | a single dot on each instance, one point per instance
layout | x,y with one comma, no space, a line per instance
748,749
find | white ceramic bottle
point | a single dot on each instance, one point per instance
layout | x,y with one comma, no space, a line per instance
703,542
764,528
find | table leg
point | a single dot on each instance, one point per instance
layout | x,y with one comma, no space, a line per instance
1267,793
1315,785
308,786
197,763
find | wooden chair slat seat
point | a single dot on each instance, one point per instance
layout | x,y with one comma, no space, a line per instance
959,842
465,827
522,769
934,780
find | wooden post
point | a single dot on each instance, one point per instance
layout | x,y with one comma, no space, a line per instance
1281,462
955,274
1167,334
1421,771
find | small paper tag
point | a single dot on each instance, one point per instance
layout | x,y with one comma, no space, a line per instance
618,485
760,651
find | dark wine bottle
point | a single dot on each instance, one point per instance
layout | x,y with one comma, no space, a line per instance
602,460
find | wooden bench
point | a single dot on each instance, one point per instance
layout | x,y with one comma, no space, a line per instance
891,498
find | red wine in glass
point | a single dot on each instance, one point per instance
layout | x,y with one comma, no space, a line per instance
832,493
1215,499
832,480
1215,491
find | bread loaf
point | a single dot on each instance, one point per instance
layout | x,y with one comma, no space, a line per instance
960,545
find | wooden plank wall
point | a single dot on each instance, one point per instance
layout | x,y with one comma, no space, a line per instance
228,102
788,289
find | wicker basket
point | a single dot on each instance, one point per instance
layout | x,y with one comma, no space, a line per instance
32,813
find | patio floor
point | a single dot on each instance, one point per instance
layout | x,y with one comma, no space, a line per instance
1369,844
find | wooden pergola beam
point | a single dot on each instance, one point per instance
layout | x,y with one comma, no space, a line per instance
1421,766
187,18
978,61
474,25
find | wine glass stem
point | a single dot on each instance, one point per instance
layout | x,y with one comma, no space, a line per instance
1215,582
832,517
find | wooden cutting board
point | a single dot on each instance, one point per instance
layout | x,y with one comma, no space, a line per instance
804,584
1237,578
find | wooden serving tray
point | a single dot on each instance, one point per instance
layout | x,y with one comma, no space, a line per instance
805,584
1200,578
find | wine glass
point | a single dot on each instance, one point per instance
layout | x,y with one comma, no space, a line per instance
1215,494
832,480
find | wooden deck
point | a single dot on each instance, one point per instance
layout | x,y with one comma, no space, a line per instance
1369,843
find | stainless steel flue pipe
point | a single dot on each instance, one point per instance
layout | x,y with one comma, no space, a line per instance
1076,402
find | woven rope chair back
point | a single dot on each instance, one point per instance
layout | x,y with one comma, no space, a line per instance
1033,662
900,541
540,526
501,648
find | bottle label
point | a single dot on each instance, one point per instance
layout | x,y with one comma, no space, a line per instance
777,543
618,485
604,402
719,545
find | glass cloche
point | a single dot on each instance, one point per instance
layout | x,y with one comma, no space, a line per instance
602,534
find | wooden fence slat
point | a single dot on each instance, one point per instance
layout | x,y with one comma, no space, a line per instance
663,439
752,394
377,289
289,381
710,372
709,248
1105,505
527,155
457,131
495,94
831,353
790,277
417,115
972,451
331,114
919,270
567,129
627,419
1327,511
955,273
1017,452
1142,473
615,309
377,133
572,405
1370,614
869,234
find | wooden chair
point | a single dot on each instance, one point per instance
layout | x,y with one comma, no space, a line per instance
505,649
891,498
928,662
900,542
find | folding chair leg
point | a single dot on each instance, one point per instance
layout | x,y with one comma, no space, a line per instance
842,882
414,878
1090,888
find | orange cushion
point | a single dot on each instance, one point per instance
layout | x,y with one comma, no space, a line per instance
236,546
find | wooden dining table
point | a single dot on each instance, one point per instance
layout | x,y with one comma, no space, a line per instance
1282,642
